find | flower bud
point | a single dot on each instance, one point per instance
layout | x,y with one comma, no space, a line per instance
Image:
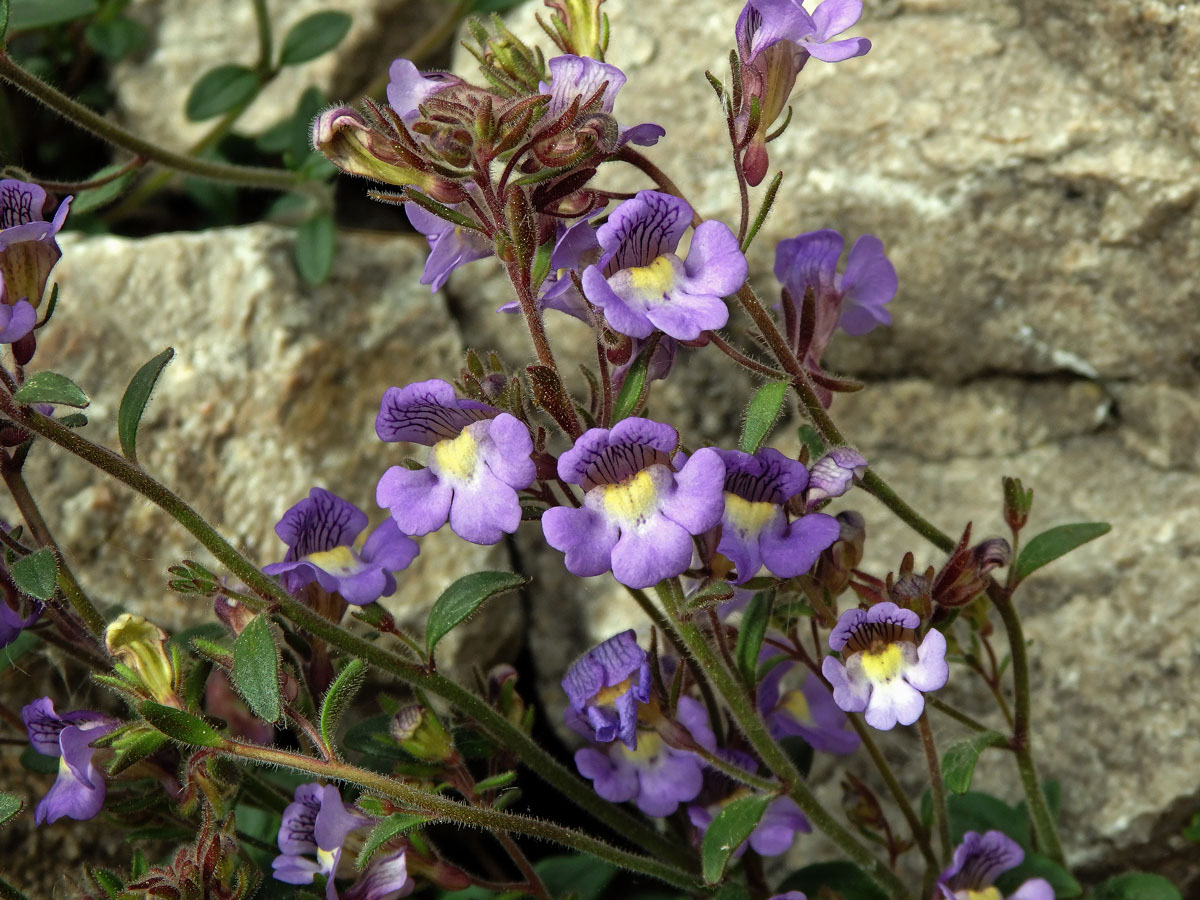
418,731
965,573
578,27
1017,503
834,474
502,692
836,562
141,645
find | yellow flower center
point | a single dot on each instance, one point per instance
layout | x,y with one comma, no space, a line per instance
456,456
630,500
797,704
884,664
748,516
325,859
988,893
338,561
610,694
649,745
653,280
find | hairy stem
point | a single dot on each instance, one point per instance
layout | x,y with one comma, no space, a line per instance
936,784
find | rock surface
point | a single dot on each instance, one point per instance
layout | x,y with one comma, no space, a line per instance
1031,169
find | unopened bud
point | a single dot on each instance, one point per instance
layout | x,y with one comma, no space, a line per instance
834,474
1017,503
141,645
417,730
835,563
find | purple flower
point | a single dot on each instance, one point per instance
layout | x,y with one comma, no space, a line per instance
581,77
407,88
754,527
978,860
638,512
450,245
883,671
606,685
655,776
773,834
789,895
642,285
320,532
79,790
478,461
315,824
28,243
11,623
16,319
809,712
574,247
834,474
386,878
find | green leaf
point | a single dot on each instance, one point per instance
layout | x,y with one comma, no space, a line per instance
36,574
313,36
393,826
132,747
974,811
107,881
1137,886
811,439
339,695
1037,866
1050,545
762,414
751,633
50,387
9,806
1191,831
504,779
73,420
728,831
256,669
459,601
958,762
133,403
116,38
24,642
179,725
844,877
3,22
38,762
219,90
316,241
633,388
28,14
584,876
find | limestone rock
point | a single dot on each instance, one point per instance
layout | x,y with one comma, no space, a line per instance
273,389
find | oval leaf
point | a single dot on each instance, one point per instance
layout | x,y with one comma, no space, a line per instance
1137,886
313,36
256,669
133,403
50,387
179,726
339,695
28,14
728,831
751,633
762,414
633,388
958,764
1050,545
393,826
36,574
9,806
219,90
316,241
459,601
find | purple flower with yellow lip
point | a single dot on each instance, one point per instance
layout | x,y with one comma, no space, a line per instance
479,459
320,532
639,513
808,711
607,683
79,790
581,77
314,828
28,243
754,526
655,776
978,861
883,672
642,285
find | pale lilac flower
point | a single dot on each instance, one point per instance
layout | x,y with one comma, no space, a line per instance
28,243
16,319
789,895
479,459
978,861
575,246
581,76
320,532
639,513
407,88
314,828
450,245
642,285
834,474
883,672
607,683
655,776
79,790
662,360
808,712
754,526
386,878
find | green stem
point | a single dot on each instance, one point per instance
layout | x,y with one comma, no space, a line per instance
262,25
250,176
1022,744
441,808
936,784
15,482
670,593
509,735
956,715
